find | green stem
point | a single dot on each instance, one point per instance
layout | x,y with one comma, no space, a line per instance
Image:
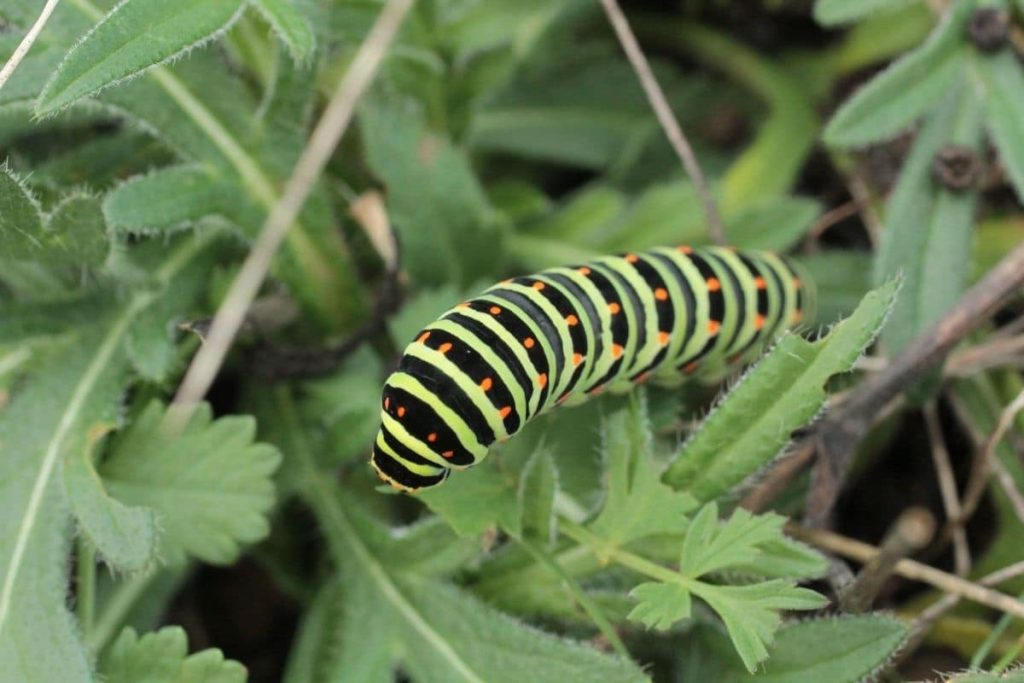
85,586
116,609
588,605
608,552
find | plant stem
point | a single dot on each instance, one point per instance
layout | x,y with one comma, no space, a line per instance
588,605
601,549
85,586
26,44
116,609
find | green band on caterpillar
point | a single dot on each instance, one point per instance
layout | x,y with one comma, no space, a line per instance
485,368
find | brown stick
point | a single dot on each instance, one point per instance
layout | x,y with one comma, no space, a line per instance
663,112
840,432
909,569
912,531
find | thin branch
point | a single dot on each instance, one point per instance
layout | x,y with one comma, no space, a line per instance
987,457
26,43
828,219
321,145
841,431
948,490
909,569
656,97
911,531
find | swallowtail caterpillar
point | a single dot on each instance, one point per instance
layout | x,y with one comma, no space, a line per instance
485,368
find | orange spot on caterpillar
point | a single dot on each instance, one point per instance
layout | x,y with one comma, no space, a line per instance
423,338
661,294
691,367
759,282
714,326
495,310
616,350
686,250
797,283
713,284
643,377
445,348
663,337
631,258
596,390
542,379
571,320
506,281
387,403
432,437
401,411
505,412
759,322
538,286
797,316
577,358
614,307
583,271
448,454
462,305
486,384
529,342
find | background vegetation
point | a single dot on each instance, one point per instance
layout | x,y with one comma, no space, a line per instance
638,537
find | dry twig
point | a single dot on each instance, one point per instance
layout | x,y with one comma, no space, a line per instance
26,43
947,488
322,142
909,569
986,461
668,121
840,432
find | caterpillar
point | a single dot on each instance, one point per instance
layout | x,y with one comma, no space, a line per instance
485,368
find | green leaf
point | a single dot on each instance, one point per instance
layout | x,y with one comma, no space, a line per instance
786,389
77,232
538,485
210,486
134,36
21,226
483,497
1000,83
834,12
448,230
928,228
637,503
710,546
835,649
124,536
162,657
290,25
773,224
841,278
751,613
661,604
907,89
166,200
1007,677
77,388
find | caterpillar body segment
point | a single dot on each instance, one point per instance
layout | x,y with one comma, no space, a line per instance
485,368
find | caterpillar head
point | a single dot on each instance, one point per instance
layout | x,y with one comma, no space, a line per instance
406,451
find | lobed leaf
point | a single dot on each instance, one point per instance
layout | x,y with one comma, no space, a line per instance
133,37
785,390
907,89
660,605
637,504
710,546
290,25
834,12
751,613
77,232
162,657
124,536
210,486
21,225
